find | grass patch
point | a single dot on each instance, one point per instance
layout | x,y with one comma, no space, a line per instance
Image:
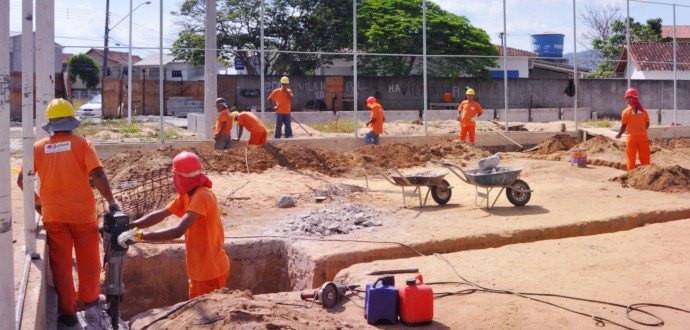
603,123
334,126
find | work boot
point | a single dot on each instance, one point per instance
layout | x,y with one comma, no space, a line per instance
68,320
94,316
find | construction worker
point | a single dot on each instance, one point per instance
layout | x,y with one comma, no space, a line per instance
208,265
635,121
281,99
223,126
248,120
64,162
375,121
467,110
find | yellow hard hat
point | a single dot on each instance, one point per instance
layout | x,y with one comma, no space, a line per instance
234,116
285,80
469,91
59,108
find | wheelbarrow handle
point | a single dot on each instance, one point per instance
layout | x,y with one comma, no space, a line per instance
452,168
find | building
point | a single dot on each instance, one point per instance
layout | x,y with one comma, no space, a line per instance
654,61
118,62
16,53
149,68
682,32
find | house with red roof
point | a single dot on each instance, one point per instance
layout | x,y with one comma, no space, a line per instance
682,32
654,61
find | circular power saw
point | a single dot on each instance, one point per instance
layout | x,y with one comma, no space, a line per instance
328,294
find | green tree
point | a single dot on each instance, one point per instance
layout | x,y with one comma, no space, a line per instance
611,48
395,27
84,68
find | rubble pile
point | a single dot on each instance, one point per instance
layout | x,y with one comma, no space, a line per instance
334,219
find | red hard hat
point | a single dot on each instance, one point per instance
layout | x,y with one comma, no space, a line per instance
371,99
186,163
631,92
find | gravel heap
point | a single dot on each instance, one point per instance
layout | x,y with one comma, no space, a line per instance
334,219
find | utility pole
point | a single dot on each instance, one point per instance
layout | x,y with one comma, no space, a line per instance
105,50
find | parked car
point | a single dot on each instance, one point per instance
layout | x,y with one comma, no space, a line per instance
93,108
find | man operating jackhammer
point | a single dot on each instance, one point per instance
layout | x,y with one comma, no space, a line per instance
208,266
65,162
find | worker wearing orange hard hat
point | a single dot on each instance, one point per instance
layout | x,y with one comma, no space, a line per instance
66,163
467,110
635,122
249,121
281,98
375,121
196,206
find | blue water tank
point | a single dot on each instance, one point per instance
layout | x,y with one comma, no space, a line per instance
548,44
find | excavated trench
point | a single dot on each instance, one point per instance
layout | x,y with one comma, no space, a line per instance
155,276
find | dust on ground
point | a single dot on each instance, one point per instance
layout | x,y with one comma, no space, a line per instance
237,310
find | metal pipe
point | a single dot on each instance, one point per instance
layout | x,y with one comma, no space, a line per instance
160,72
505,65
129,67
354,61
19,308
6,247
261,63
575,75
675,69
426,92
627,43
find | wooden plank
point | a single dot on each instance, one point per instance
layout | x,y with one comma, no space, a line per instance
606,132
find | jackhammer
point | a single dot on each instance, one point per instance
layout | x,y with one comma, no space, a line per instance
114,223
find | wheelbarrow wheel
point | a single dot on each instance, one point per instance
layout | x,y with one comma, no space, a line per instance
516,197
441,193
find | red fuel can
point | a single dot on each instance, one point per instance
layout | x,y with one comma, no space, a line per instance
416,301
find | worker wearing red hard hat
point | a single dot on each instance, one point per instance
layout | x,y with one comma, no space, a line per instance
208,265
65,162
635,122
249,121
375,121
467,110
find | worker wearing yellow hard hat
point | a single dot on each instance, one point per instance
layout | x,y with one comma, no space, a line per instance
248,120
467,110
281,99
66,163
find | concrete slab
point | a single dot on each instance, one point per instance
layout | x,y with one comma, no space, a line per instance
583,114
545,115
521,115
682,117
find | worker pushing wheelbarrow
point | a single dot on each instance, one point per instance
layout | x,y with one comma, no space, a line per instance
490,176
439,188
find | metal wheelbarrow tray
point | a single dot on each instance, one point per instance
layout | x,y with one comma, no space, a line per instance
518,191
439,188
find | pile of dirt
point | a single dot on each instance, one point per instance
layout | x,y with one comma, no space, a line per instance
556,143
602,145
407,155
657,178
224,309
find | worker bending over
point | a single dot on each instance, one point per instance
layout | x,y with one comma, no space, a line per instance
65,162
467,110
375,121
248,120
208,266
635,121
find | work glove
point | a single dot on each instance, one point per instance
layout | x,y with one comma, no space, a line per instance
113,206
130,237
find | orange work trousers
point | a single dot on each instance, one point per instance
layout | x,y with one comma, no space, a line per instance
637,145
465,130
257,138
84,238
197,288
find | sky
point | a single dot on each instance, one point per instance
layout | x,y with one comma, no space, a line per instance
79,24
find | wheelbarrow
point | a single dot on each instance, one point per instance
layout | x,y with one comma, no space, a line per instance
438,187
517,191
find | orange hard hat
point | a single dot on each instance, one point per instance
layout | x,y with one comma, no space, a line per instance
631,92
187,164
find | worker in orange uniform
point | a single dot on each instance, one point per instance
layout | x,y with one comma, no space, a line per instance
223,126
635,121
248,120
447,98
281,98
467,110
65,162
375,121
208,265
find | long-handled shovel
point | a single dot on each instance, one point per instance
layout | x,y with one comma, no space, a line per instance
300,125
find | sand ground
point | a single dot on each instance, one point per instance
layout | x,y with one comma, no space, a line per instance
593,233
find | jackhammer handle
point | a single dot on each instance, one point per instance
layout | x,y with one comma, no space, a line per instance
307,295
